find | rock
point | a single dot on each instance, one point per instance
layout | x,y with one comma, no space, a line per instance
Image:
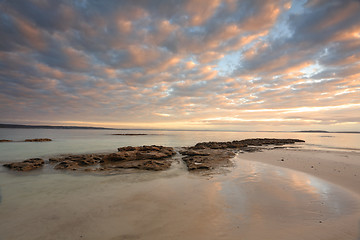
206,158
129,134
38,140
74,162
67,164
245,143
140,153
26,165
209,155
5,140
194,153
144,158
128,148
120,156
154,165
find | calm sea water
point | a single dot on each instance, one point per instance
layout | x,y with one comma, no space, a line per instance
85,141
250,201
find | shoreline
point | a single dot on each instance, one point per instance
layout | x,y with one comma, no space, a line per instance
338,167
252,201
259,197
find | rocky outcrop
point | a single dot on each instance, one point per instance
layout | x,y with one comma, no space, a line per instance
245,143
202,156
76,162
144,158
38,140
206,158
139,153
27,165
129,134
210,155
5,140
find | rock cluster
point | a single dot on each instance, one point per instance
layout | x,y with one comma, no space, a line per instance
29,140
75,162
26,165
245,143
210,155
205,155
129,134
38,140
144,158
206,158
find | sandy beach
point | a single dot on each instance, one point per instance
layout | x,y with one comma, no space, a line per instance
254,199
338,167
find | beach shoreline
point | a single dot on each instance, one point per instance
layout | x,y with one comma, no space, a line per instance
338,167
253,200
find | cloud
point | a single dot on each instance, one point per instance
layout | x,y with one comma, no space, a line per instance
224,63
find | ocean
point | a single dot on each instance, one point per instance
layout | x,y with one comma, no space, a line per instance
95,141
251,200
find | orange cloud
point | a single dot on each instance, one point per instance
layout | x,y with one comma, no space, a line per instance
201,10
264,18
76,58
31,34
51,72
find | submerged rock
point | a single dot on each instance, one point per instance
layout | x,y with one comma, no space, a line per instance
27,165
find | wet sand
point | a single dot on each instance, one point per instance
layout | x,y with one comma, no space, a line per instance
251,201
338,167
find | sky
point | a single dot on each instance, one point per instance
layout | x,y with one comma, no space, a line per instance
251,65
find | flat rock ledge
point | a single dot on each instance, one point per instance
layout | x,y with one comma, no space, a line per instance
27,165
38,140
202,156
29,140
211,155
143,158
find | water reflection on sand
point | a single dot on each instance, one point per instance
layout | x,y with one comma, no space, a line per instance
252,201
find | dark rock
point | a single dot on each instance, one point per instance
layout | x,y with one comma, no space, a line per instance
26,165
245,143
128,148
74,162
190,152
5,140
154,165
129,134
206,158
67,164
209,155
38,140
144,158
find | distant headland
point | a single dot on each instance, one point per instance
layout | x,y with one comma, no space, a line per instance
6,125
3,125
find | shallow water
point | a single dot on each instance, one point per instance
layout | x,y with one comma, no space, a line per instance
251,201
84,141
